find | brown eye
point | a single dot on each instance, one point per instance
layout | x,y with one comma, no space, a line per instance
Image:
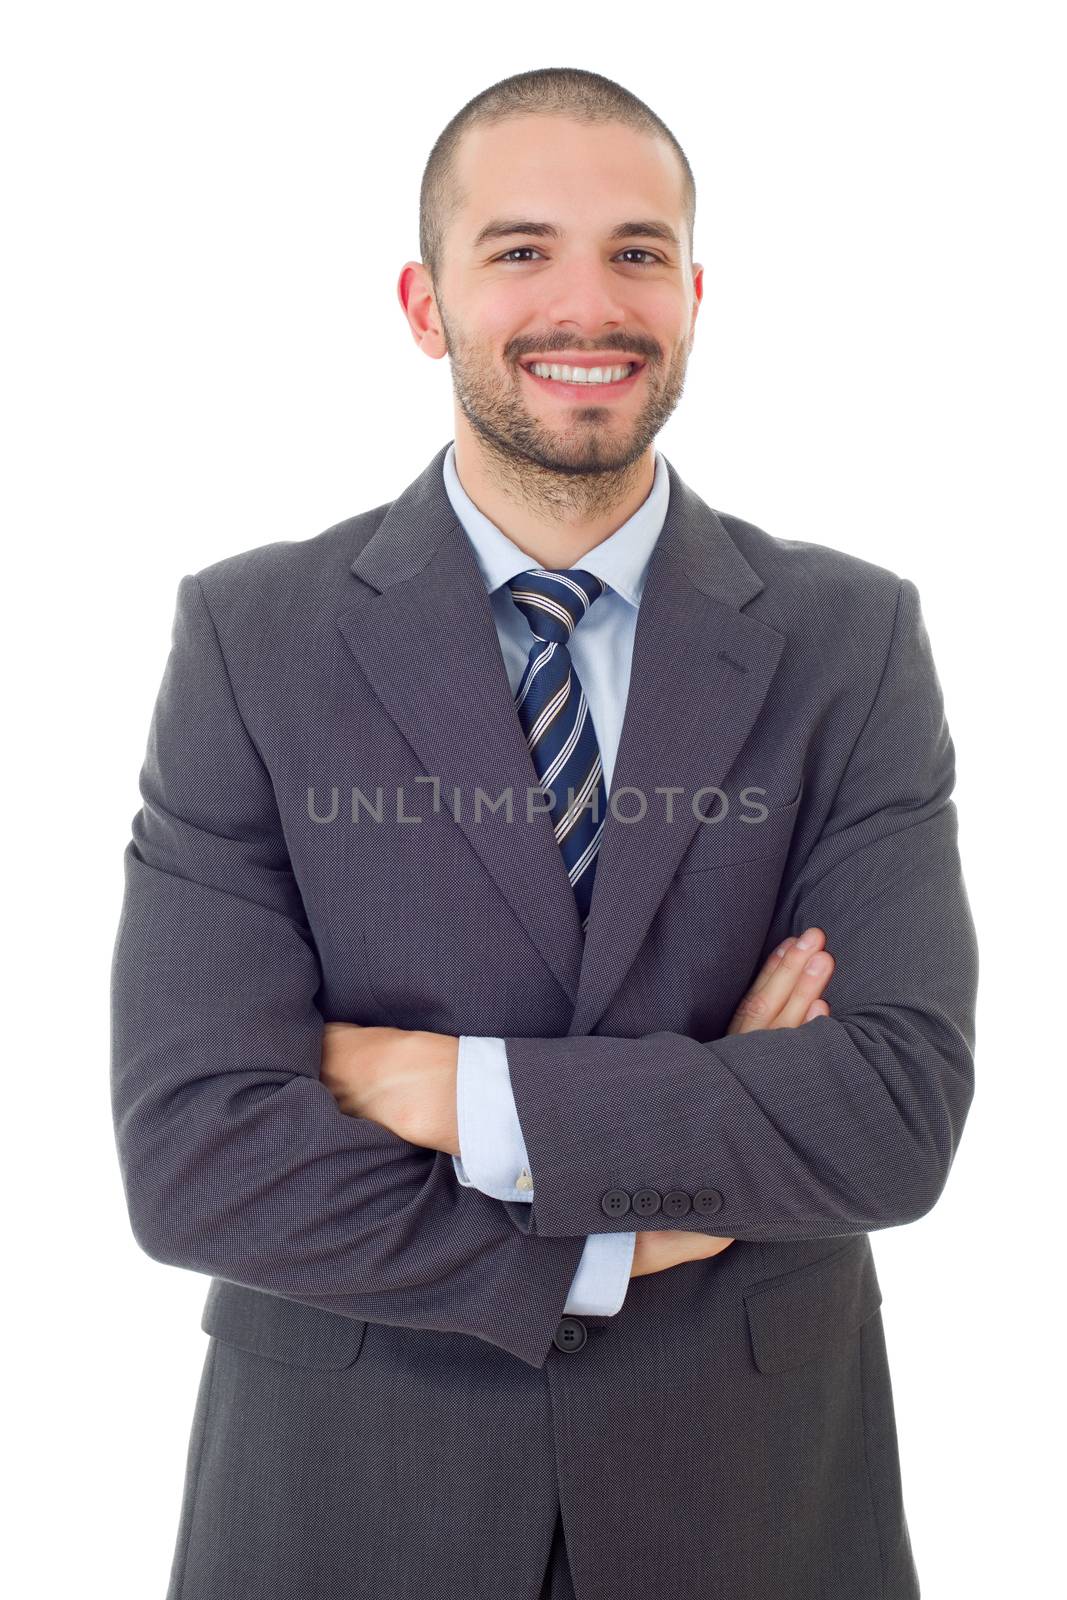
634,250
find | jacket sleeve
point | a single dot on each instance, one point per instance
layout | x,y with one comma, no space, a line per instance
493,1149
846,1124
236,1160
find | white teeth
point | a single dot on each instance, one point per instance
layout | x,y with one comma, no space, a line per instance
566,374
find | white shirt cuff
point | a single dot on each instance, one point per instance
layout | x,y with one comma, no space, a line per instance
492,1149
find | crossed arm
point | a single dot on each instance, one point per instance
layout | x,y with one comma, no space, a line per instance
405,1079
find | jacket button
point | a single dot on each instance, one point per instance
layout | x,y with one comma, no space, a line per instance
647,1201
707,1200
615,1202
570,1335
677,1203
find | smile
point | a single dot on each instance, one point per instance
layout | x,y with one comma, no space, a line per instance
582,387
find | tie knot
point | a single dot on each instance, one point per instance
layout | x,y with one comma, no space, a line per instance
555,601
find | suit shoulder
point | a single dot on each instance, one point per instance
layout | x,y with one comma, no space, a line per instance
289,568
800,575
273,601
285,584
815,569
837,610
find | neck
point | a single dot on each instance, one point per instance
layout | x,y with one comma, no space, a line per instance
555,518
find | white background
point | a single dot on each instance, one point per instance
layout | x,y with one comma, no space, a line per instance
208,208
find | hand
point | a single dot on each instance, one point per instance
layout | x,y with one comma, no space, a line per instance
784,995
404,1079
657,1249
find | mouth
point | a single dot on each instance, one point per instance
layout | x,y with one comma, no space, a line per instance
582,389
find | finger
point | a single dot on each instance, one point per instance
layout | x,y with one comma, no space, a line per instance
809,987
818,1008
769,967
772,963
762,1005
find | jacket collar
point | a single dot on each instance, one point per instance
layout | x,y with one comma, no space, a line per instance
621,559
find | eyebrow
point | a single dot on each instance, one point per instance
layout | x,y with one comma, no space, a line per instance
504,227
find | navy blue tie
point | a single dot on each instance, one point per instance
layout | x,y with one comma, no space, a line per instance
555,717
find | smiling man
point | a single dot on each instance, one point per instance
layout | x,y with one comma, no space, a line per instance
568,319
544,961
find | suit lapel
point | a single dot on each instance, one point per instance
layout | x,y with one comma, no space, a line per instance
700,673
421,628
422,631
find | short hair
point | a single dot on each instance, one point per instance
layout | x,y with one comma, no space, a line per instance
547,91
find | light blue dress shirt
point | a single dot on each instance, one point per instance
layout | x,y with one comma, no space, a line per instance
494,1157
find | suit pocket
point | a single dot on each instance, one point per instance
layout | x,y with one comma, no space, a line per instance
734,841
802,1315
285,1330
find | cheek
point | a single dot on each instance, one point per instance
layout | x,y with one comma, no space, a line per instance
504,312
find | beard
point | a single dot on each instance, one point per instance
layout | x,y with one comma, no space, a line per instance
577,462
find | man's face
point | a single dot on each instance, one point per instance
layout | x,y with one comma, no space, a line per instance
582,292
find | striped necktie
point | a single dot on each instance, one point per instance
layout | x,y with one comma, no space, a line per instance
555,717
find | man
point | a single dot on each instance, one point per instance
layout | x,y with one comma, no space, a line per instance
435,1060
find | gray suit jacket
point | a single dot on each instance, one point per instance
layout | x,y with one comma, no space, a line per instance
392,1403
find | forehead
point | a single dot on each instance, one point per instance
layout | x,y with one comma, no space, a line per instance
563,171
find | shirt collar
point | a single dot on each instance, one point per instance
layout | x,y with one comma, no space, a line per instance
621,560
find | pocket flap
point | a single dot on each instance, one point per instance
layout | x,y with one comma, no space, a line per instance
286,1330
733,841
811,1312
